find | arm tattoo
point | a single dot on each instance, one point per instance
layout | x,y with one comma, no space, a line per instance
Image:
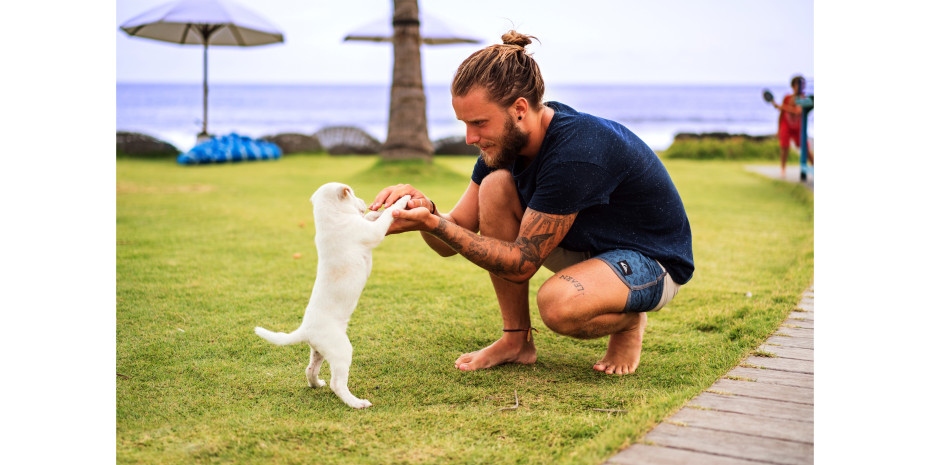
540,234
529,249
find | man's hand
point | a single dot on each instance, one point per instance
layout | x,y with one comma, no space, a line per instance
413,219
416,217
391,194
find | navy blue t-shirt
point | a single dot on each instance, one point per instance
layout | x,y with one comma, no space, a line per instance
622,193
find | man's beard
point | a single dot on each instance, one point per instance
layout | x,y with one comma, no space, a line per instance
511,143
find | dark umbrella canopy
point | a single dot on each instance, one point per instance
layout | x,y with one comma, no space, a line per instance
204,22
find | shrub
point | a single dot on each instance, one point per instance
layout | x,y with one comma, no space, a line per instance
716,146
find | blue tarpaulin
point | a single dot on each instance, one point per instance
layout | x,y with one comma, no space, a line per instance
230,148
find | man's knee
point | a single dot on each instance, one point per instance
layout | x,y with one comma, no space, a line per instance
556,304
497,188
500,211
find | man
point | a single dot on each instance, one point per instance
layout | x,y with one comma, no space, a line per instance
579,194
789,122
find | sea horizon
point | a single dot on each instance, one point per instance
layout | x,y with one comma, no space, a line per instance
656,112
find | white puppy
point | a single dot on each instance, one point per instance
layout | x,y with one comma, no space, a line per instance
345,237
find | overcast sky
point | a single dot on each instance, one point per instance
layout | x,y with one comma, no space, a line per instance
582,41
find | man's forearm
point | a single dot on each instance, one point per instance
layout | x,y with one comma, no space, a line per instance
514,261
437,244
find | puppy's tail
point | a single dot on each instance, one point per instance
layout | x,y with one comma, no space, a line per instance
281,339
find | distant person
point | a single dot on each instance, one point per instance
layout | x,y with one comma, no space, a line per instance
789,122
555,187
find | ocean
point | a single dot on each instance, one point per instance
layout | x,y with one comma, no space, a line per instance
173,112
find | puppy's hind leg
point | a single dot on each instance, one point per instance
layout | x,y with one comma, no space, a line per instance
340,358
313,369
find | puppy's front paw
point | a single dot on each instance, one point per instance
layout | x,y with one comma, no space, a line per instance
402,202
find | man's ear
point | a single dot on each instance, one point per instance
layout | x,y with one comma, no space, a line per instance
520,106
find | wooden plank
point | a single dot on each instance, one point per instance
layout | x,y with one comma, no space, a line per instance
775,428
803,323
801,342
751,406
795,332
764,415
764,391
795,353
786,378
784,364
732,444
642,454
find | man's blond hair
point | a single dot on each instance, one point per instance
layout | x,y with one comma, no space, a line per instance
505,70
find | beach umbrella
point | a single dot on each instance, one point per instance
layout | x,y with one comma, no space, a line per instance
204,22
407,30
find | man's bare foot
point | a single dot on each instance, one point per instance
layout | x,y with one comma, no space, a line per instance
511,348
623,350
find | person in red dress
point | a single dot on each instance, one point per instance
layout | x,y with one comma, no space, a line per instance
789,122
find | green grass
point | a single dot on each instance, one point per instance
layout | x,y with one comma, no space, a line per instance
206,253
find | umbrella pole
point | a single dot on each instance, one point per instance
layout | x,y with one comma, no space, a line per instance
204,132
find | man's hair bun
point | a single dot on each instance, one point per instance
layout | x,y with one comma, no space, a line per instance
515,38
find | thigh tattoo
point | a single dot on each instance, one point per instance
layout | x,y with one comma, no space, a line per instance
574,282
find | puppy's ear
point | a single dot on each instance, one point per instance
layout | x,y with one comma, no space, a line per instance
344,194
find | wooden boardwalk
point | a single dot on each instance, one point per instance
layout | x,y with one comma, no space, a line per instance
761,412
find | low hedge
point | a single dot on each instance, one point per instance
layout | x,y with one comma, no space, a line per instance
726,147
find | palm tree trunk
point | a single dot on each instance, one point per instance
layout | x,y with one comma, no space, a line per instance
407,135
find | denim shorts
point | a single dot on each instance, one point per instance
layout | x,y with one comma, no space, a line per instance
650,285
644,276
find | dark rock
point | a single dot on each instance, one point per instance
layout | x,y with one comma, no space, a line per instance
136,145
347,140
295,143
349,149
455,145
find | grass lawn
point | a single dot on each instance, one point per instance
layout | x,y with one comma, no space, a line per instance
205,254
